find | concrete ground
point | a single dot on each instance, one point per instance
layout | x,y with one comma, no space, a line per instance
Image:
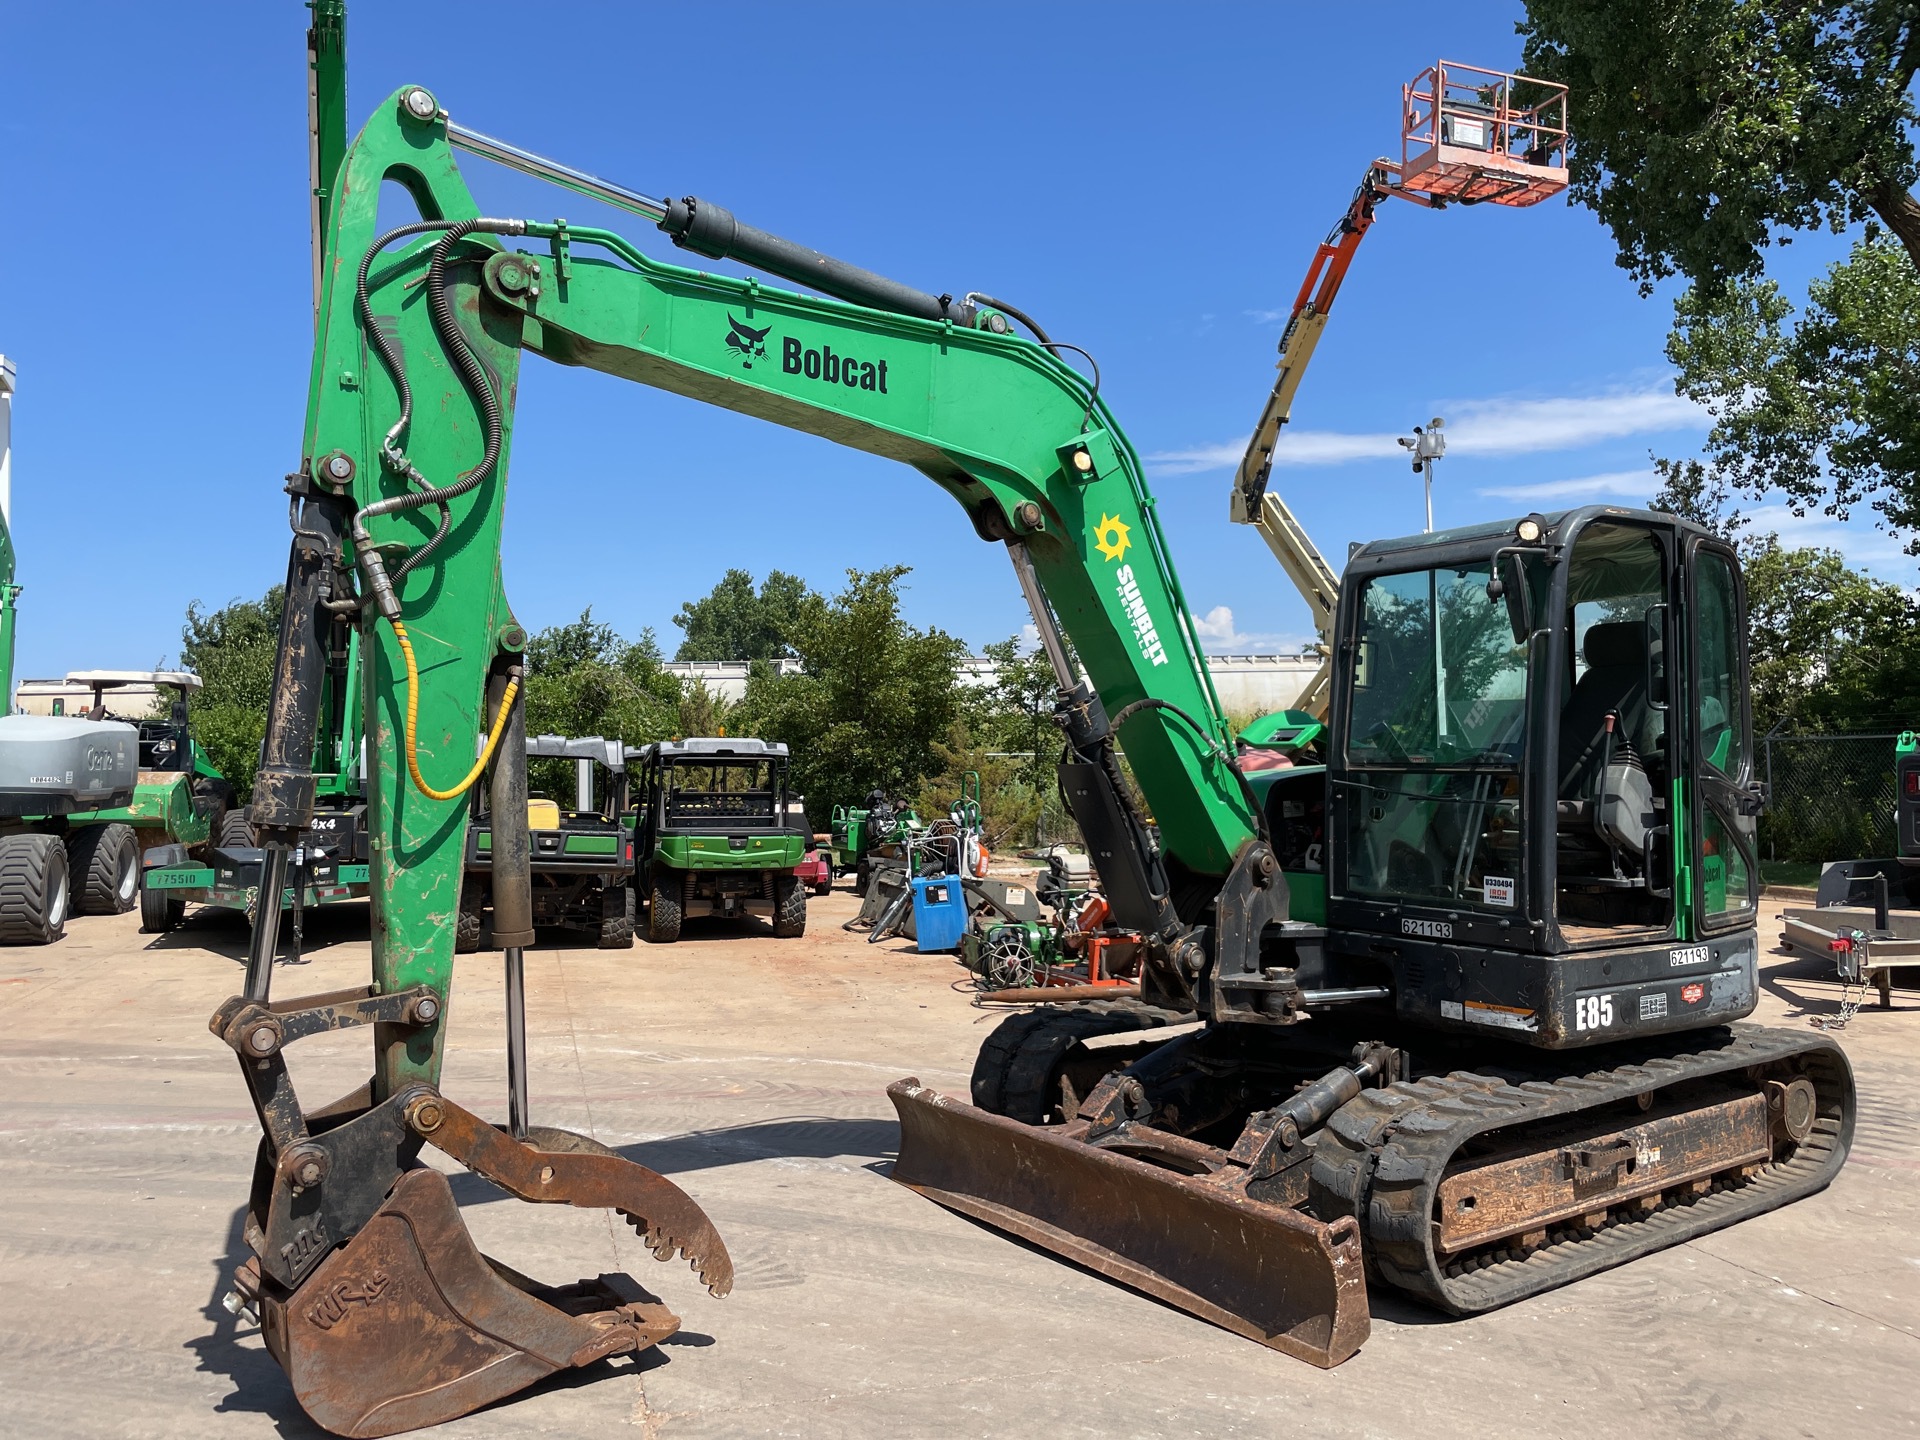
752,1070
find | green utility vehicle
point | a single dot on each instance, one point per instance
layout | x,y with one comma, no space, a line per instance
716,835
582,857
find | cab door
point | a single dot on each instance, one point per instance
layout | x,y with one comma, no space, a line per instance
1725,803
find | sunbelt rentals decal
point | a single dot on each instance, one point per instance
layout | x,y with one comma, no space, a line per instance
1112,537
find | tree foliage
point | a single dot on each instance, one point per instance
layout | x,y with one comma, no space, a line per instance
1820,410
1706,130
583,678
874,699
733,622
1701,129
231,649
880,703
1830,648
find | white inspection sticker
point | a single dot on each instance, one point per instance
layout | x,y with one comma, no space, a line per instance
1507,1017
1498,890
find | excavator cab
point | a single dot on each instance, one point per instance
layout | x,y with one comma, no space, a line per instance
1541,777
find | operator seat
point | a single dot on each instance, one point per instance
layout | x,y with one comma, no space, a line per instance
1615,683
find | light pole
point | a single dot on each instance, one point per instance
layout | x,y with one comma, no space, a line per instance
1427,445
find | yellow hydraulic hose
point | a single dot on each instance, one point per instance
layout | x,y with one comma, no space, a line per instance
413,716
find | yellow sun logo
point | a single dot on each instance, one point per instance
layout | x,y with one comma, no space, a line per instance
1110,537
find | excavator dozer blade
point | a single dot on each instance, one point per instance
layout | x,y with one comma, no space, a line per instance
1264,1271
408,1324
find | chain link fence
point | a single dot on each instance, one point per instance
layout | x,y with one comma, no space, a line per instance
1832,797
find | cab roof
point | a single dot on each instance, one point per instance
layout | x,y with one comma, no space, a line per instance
610,753
716,747
108,679
1555,523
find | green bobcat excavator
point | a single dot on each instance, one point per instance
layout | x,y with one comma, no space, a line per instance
1479,1041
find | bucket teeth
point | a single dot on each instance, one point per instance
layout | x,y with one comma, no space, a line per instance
717,1277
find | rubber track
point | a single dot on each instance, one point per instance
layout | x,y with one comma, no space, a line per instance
1383,1155
1012,1073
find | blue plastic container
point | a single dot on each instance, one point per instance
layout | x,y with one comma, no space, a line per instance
939,913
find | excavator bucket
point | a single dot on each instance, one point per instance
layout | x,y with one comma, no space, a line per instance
1265,1271
410,1325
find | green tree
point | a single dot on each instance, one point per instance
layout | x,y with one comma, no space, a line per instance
1705,131
1829,647
1010,803
875,697
732,622
1819,409
583,678
1702,129
231,649
701,711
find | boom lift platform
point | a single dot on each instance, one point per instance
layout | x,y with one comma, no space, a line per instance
1464,139
1507,880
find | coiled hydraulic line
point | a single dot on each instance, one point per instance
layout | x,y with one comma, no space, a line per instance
382,588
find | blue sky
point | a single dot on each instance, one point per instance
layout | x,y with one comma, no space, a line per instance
1148,181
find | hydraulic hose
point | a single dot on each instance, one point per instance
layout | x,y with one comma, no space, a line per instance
413,719
382,586
1232,762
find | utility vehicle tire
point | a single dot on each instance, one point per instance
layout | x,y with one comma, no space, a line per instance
789,907
236,831
467,920
616,931
1022,1066
160,911
34,893
663,907
104,861
862,877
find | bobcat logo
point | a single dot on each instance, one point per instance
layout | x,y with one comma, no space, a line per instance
749,344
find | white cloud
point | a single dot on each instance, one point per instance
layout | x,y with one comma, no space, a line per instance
1862,544
1522,427
1299,447
1635,485
1506,425
1219,636
1216,624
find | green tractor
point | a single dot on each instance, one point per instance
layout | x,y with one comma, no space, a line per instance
715,835
581,857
